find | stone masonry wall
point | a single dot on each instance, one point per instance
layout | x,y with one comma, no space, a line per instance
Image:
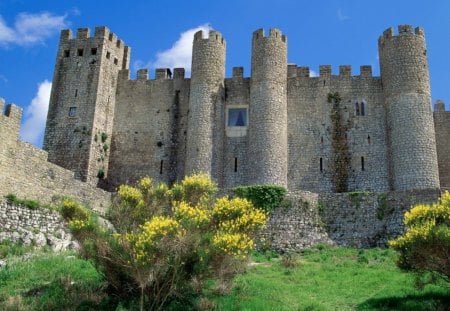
41,227
24,170
357,219
442,126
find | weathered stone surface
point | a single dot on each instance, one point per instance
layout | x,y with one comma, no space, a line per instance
40,227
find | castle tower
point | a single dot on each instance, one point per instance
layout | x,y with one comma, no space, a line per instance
406,87
207,84
81,110
267,129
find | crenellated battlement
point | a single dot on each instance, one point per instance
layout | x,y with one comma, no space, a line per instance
439,106
11,111
212,35
403,30
345,71
273,33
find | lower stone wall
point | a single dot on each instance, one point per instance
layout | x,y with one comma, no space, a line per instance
25,172
358,219
362,219
296,225
40,227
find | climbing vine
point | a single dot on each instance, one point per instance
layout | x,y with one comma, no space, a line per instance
341,157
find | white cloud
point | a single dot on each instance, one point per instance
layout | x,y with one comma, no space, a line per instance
180,54
312,74
341,15
35,115
31,28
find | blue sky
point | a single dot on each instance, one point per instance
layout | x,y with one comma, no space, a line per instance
319,32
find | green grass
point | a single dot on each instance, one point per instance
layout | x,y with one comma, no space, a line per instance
332,279
322,278
48,281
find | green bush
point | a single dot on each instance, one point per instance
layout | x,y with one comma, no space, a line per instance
265,197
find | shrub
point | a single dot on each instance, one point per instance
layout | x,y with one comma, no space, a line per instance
265,197
425,246
170,240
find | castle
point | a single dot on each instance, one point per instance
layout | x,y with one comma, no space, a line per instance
331,133
364,148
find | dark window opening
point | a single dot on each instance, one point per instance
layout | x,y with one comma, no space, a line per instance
237,117
80,52
72,111
235,164
321,164
110,37
108,55
362,164
116,61
94,51
161,167
321,140
357,109
76,92
66,53
368,140
363,110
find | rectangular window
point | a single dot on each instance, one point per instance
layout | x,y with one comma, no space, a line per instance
72,111
161,167
80,52
108,55
94,51
237,117
235,165
115,61
66,53
362,164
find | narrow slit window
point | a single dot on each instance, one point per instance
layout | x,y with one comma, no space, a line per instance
362,164
321,164
80,52
116,61
357,109
368,139
76,92
235,164
161,167
363,110
72,111
321,140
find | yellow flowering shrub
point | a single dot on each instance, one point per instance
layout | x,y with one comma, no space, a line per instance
192,216
235,244
147,239
130,195
166,237
238,215
425,245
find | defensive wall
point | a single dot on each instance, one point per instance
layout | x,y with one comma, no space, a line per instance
26,172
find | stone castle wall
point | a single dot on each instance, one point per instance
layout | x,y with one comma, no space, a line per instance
40,227
356,219
26,172
442,127
293,134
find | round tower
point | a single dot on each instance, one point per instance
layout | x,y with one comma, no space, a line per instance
406,87
207,85
267,129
